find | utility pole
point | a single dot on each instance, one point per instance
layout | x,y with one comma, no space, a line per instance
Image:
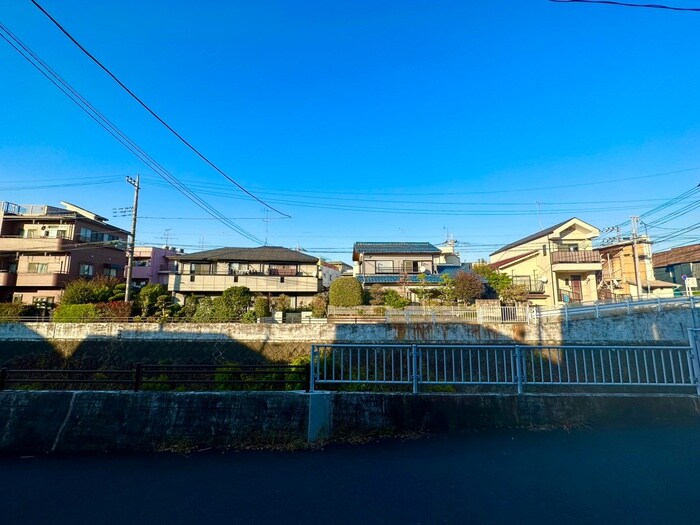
635,221
132,237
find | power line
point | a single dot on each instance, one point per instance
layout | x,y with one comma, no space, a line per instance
121,137
626,4
153,113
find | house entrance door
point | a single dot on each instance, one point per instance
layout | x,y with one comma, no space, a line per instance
576,291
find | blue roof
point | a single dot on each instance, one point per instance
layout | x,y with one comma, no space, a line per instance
394,247
395,279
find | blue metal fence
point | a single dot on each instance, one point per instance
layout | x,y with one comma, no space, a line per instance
663,367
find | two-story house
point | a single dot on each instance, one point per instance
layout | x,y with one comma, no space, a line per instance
399,264
557,265
624,263
43,247
266,270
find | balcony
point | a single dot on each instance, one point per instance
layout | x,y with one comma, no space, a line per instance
579,261
532,286
50,280
7,278
256,283
12,243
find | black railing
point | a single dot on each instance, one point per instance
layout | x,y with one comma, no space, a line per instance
180,378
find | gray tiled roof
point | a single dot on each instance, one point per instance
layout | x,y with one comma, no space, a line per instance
275,254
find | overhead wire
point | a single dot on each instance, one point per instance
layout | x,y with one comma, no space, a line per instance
628,4
115,132
154,114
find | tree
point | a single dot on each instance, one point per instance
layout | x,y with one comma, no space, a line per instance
232,304
319,305
393,299
89,291
345,291
261,307
282,303
447,289
495,280
515,293
376,294
148,296
468,287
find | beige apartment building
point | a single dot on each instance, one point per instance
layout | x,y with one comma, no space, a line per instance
557,265
266,270
43,247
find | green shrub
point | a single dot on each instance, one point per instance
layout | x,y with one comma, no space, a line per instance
393,300
346,291
262,307
249,317
76,313
86,291
10,312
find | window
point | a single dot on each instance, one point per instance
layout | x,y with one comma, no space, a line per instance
384,267
85,234
61,234
86,270
38,268
112,270
410,266
200,268
568,248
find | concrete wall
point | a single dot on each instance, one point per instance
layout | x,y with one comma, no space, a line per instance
668,326
70,422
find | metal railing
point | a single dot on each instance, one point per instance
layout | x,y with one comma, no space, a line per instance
598,308
161,377
429,314
664,367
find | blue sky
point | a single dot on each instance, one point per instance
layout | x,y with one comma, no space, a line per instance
363,121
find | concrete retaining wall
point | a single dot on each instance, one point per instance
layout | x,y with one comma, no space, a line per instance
666,326
283,342
69,422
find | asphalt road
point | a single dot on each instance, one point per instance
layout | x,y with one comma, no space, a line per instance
638,475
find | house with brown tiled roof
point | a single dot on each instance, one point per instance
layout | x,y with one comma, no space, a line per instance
673,264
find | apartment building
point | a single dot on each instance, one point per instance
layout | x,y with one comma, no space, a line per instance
152,265
43,247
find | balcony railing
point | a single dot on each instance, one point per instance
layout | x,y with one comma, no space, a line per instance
7,278
530,284
584,256
50,279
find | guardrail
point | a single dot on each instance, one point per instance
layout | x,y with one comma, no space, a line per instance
363,366
598,308
161,377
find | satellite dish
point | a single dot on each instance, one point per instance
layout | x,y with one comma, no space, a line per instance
424,270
